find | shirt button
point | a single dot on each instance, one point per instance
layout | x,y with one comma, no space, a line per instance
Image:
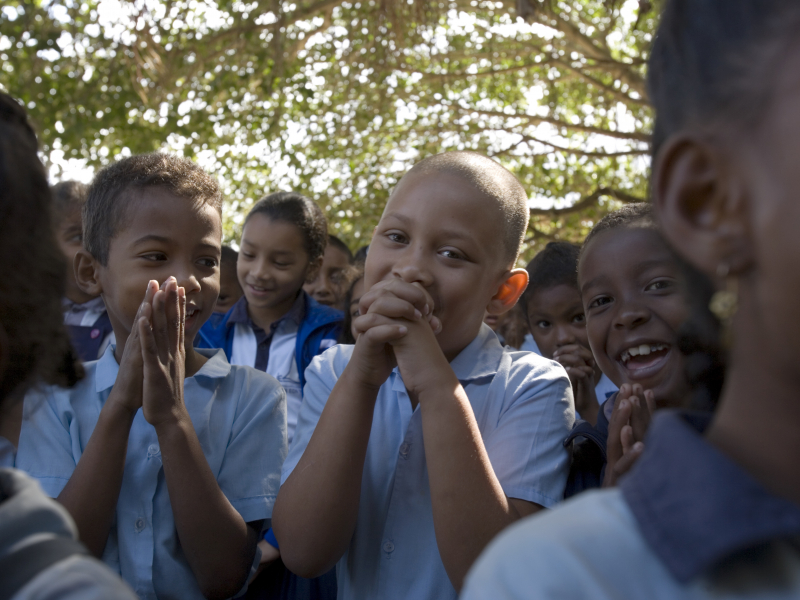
388,547
153,450
138,525
404,449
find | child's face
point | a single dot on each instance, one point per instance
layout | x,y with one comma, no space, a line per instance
556,318
163,235
69,234
440,232
326,287
273,263
229,289
634,307
358,291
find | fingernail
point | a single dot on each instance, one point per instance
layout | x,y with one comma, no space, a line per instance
638,446
417,314
427,309
403,329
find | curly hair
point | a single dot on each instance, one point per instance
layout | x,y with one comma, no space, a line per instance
114,189
34,340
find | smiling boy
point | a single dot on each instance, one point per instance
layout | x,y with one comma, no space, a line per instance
418,444
167,479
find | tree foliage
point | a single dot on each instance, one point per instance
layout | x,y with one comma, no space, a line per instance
336,99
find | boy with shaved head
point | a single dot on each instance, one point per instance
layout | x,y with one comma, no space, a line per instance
418,444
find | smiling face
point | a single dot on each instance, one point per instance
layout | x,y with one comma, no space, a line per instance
163,235
273,266
441,232
629,283
328,286
556,318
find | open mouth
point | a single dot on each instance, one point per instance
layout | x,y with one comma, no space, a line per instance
643,360
191,314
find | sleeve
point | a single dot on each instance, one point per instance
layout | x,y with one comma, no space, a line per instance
525,439
49,440
76,578
249,475
321,375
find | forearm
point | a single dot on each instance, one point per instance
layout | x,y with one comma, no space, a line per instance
92,492
469,505
218,544
317,507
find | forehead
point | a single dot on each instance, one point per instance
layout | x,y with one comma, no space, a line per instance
335,257
268,233
620,253
158,211
554,299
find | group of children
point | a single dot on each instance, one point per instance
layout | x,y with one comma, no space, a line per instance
317,426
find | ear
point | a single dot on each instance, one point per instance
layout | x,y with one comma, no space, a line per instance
701,202
87,273
313,270
508,293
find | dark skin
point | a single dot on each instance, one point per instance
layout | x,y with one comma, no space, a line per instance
229,289
69,235
169,253
730,197
431,274
558,325
328,286
632,298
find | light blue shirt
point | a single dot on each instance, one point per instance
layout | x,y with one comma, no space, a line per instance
524,409
239,415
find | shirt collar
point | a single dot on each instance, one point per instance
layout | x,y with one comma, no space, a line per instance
106,368
695,506
481,358
95,304
295,313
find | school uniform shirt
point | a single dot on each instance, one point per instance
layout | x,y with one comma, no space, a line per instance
604,389
7,453
686,523
239,415
523,406
89,327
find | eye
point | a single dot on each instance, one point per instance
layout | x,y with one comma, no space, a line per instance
658,285
75,239
581,318
281,265
209,263
600,301
397,238
543,324
154,256
355,313
452,254
246,255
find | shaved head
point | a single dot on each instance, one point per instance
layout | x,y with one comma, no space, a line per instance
492,180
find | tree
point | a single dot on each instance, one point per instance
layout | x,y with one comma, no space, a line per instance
337,99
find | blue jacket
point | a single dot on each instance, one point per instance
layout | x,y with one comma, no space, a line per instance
319,323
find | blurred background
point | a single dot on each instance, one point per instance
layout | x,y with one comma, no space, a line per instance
337,99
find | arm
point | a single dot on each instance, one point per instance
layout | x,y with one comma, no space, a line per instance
219,545
92,492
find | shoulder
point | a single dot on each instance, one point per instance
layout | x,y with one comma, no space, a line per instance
77,578
327,367
60,398
252,384
530,374
568,551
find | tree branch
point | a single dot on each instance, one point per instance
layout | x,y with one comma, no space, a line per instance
587,202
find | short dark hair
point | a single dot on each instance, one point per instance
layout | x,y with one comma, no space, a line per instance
229,255
35,341
556,264
301,212
712,61
360,257
112,192
636,213
493,180
68,196
340,245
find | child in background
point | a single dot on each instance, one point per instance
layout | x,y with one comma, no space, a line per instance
415,446
510,327
85,315
229,289
168,479
635,304
40,556
328,286
277,327
351,300
712,507
555,316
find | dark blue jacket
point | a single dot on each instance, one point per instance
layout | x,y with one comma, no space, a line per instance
589,456
319,323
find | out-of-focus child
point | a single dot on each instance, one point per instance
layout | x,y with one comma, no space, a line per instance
328,287
229,289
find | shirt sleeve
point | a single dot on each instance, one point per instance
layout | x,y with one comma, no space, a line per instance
49,440
524,439
76,578
250,472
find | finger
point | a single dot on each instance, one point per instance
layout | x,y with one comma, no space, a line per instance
619,419
159,323
650,399
181,317
624,391
366,322
395,308
624,464
626,437
147,342
384,334
415,294
172,312
640,419
435,324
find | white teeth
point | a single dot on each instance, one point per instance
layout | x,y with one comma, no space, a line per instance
643,350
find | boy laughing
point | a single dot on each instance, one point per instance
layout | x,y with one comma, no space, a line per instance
418,444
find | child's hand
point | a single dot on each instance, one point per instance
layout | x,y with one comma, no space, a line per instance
387,311
161,328
626,430
127,391
579,364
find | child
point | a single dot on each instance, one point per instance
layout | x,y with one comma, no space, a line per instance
276,327
554,312
634,306
418,444
712,507
85,315
40,556
328,286
168,480
351,300
229,289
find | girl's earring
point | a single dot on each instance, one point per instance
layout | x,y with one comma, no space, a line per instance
725,303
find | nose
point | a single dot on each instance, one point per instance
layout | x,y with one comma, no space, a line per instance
259,270
564,336
412,267
631,315
188,280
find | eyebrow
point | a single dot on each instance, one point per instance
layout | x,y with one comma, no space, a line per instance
152,238
638,270
452,233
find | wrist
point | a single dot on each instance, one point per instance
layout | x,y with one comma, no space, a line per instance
172,421
120,411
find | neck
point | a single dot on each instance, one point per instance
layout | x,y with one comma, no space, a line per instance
78,297
266,316
757,421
